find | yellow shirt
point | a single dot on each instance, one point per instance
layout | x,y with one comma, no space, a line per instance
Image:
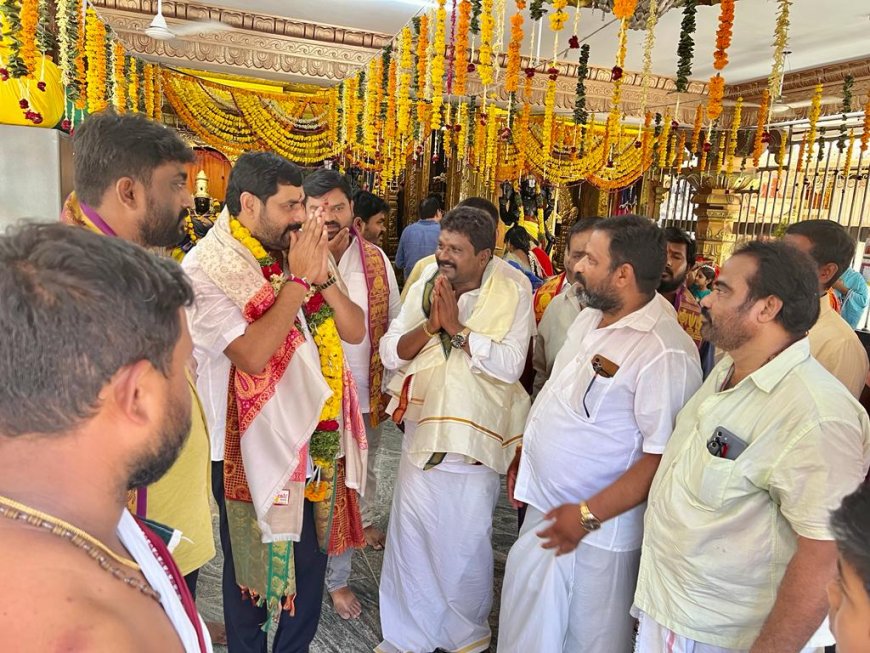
836,346
719,533
181,498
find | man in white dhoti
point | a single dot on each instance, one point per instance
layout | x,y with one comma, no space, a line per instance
592,443
459,346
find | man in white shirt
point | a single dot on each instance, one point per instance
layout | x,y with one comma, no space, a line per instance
269,311
458,346
592,443
737,546
832,341
371,284
94,401
563,309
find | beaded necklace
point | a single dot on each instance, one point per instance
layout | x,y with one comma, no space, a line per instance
98,551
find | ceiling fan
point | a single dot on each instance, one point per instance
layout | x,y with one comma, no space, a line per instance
160,31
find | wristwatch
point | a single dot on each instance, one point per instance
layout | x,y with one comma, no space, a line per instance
458,341
587,520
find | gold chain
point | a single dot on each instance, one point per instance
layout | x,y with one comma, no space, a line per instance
16,511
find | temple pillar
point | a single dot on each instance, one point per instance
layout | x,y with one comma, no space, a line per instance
716,210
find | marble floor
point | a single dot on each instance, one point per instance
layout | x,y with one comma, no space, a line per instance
361,635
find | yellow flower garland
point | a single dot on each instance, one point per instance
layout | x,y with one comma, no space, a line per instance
559,16
460,48
119,83
514,60
403,110
624,9
390,126
422,70
371,110
95,48
815,112
29,17
149,90
758,141
484,70
437,69
695,143
133,86
732,140
849,150
80,68
865,135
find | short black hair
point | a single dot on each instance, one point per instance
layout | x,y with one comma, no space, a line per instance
76,307
473,223
679,236
831,244
785,272
581,226
851,526
518,238
429,207
484,205
640,243
323,180
108,146
259,173
366,205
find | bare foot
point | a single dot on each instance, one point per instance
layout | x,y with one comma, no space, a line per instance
345,603
217,631
375,537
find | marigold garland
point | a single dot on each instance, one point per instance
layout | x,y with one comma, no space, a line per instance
484,53
437,69
559,16
148,90
648,44
800,157
119,82
134,86
95,48
624,9
865,135
549,113
80,67
460,48
732,139
403,109
815,112
514,60
847,165
371,111
694,143
663,141
422,68
716,92
783,152
68,25
760,128
720,152
686,46
723,34
680,151
780,41
390,124
27,35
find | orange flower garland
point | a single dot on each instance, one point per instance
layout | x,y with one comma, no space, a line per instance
403,110
720,58
680,151
438,65
865,136
133,88
460,48
696,129
422,67
484,70
80,69
783,151
158,93
29,16
514,61
624,9
370,117
119,82
758,143
390,126
801,150
95,50
549,114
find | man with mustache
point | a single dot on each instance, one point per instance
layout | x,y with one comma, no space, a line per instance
458,346
592,443
267,328
370,214
130,182
94,401
371,284
562,299
673,287
737,547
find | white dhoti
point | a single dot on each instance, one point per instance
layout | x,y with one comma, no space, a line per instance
579,601
436,580
652,637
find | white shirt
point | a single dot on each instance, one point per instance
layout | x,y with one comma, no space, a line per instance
719,532
837,347
585,431
359,356
560,313
503,360
214,322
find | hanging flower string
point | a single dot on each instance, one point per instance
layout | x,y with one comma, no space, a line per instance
437,69
686,46
865,135
649,42
96,52
848,82
815,112
484,70
762,137
460,48
780,41
514,61
732,139
720,58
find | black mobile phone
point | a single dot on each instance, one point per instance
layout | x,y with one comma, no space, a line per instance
724,444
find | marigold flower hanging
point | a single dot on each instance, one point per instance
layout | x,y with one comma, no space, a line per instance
119,78
815,112
80,68
732,140
649,42
760,128
27,35
559,16
438,65
720,58
514,60
624,9
484,69
460,48
865,135
780,41
716,91
403,109
800,157
390,119
95,49
695,143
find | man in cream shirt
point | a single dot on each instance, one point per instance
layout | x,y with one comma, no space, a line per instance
737,547
832,341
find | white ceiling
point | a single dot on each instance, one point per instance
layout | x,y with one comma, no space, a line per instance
822,31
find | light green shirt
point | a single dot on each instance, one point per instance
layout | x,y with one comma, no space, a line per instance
719,533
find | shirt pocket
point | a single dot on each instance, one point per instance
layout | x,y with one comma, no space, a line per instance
589,396
715,480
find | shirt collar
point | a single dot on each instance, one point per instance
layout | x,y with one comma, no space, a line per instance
825,305
96,219
644,318
768,376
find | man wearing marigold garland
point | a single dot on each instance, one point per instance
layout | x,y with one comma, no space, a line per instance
371,284
267,321
459,346
130,179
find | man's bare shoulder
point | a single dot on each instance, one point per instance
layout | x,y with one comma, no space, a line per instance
56,598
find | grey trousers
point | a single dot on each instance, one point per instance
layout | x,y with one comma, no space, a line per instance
338,567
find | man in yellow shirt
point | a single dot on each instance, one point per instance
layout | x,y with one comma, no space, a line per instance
131,183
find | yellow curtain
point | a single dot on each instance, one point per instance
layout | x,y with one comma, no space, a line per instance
48,103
